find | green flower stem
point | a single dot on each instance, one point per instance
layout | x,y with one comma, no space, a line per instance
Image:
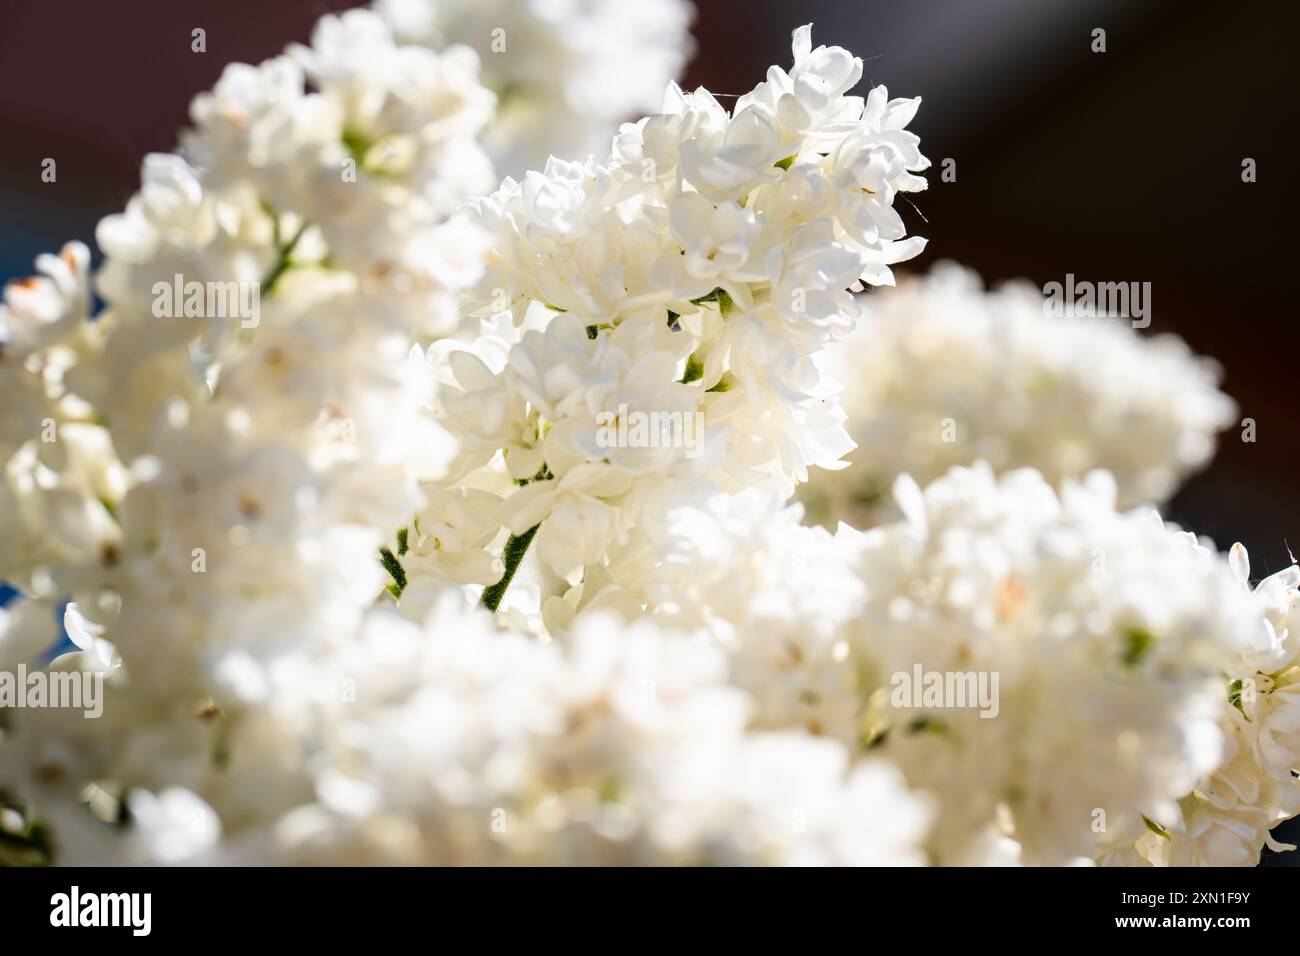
284,262
516,547
395,571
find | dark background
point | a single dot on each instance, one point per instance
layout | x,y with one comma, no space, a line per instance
1115,166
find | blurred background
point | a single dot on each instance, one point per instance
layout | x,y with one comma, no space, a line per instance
1117,166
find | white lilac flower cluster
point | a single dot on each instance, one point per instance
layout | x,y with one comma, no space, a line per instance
940,373
454,743
211,481
696,275
1113,649
1225,820
215,488
566,73
273,527
207,467
1106,631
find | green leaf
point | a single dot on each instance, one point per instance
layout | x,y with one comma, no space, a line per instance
357,146
1137,641
543,474
875,740
395,570
1156,828
513,555
927,725
1234,696
718,295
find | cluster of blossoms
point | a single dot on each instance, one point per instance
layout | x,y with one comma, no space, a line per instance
1225,820
215,485
941,373
196,456
1106,630
696,276
1116,649
454,743
565,72
210,464
269,531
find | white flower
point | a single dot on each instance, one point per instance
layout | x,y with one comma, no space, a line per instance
625,746
171,827
579,524
810,276
268,530
39,311
656,283
211,493
1104,631
55,496
27,630
727,163
448,536
776,594
720,248
810,98
1225,820
940,373
565,73
792,801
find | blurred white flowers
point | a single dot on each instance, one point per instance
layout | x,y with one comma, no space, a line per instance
942,373
1226,818
269,538
1105,629
565,72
